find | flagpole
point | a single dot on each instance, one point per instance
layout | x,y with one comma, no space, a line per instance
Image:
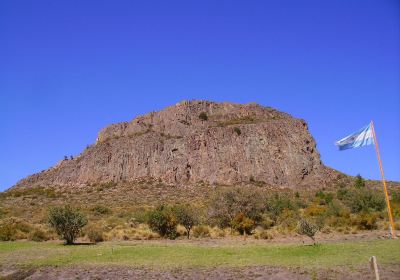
392,227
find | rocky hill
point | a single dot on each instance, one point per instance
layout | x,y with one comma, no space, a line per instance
197,142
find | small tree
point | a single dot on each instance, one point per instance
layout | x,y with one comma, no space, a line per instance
67,222
187,217
226,205
243,224
307,228
163,221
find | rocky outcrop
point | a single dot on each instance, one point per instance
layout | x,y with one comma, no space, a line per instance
197,141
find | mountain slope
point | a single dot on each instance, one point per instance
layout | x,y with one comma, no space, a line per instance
197,141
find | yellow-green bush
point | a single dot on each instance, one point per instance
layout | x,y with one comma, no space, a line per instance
95,234
263,234
38,235
243,224
364,221
7,232
315,209
201,231
216,232
14,229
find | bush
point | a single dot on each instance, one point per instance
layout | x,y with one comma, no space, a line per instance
266,222
101,210
288,220
141,216
365,200
276,204
359,182
263,234
325,198
163,221
216,232
67,222
186,216
365,221
13,228
395,194
307,228
38,235
227,204
342,193
315,210
243,224
95,234
237,130
337,209
203,116
2,213
7,232
201,231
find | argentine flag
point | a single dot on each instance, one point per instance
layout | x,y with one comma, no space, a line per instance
361,138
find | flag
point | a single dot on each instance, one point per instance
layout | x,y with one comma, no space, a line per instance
361,138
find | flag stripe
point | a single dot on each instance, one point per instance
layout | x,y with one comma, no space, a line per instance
361,138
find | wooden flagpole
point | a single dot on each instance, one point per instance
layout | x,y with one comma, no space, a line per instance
392,227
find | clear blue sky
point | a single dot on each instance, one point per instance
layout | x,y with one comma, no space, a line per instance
69,68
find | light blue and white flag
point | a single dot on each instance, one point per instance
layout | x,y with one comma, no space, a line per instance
361,138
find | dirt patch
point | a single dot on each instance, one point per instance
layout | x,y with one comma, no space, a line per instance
257,272
16,274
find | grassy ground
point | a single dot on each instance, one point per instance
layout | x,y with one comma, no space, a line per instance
169,255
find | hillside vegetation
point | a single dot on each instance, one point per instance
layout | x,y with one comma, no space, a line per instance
115,213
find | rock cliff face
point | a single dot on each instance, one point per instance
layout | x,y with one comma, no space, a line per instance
197,141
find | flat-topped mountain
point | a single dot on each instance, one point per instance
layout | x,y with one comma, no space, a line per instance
193,142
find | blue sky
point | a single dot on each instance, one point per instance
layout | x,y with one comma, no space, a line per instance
69,68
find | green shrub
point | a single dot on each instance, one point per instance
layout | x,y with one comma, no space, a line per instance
163,221
186,216
201,231
101,210
307,228
276,204
325,198
365,200
67,222
38,235
359,182
203,116
141,216
337,209
95,234
395,194
342,193
237,130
